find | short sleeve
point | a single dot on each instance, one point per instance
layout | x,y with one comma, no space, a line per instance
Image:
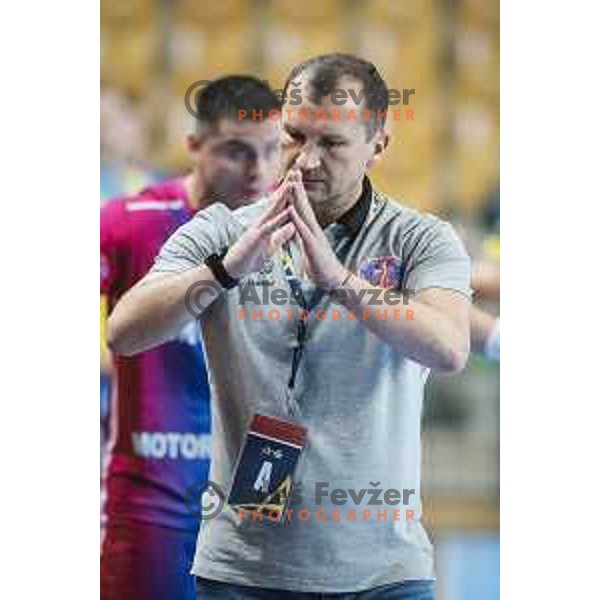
207,233
437,258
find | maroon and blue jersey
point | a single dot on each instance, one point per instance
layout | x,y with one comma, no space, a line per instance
160,416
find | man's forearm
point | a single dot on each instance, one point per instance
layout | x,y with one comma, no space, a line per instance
154,311
423,333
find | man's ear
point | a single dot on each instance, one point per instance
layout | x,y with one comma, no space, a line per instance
381,143
382,139
195,139
193,142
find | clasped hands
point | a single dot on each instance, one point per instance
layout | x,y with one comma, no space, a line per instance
288,216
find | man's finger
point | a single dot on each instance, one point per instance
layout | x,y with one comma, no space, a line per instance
274,223
278,202
303,206
306,234
275,206
300,161
286,233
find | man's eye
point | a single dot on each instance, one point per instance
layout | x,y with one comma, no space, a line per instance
237,151
295,136
333,143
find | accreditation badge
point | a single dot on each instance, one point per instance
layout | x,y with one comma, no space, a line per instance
262,480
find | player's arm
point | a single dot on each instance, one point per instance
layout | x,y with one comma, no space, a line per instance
486,280
432,329
114,249
154,310
485,334
438,335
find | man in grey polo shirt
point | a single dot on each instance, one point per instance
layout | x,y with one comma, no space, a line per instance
359,380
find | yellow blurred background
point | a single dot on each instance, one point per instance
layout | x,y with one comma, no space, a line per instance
447,51
445,161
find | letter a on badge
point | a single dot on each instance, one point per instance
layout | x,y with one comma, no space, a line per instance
264,477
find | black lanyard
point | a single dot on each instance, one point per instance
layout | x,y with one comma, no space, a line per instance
302,329
296,287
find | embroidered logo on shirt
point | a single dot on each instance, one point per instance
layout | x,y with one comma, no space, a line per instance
265,276
383,271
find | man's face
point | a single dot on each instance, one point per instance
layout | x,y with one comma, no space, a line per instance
237,160
335,152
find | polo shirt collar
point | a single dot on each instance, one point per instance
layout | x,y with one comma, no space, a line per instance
354,218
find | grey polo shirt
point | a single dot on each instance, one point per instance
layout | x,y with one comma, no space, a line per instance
360,400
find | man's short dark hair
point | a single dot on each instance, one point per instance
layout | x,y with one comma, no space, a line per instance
326,71
223,99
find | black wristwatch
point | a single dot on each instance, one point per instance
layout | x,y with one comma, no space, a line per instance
215,263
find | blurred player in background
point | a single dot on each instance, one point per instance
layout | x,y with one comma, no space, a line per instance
485,278
485,281
123,145
485,334
159,439
123,171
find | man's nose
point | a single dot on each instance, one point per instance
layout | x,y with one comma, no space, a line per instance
309,158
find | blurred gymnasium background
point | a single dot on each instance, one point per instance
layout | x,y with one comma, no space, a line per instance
446,161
